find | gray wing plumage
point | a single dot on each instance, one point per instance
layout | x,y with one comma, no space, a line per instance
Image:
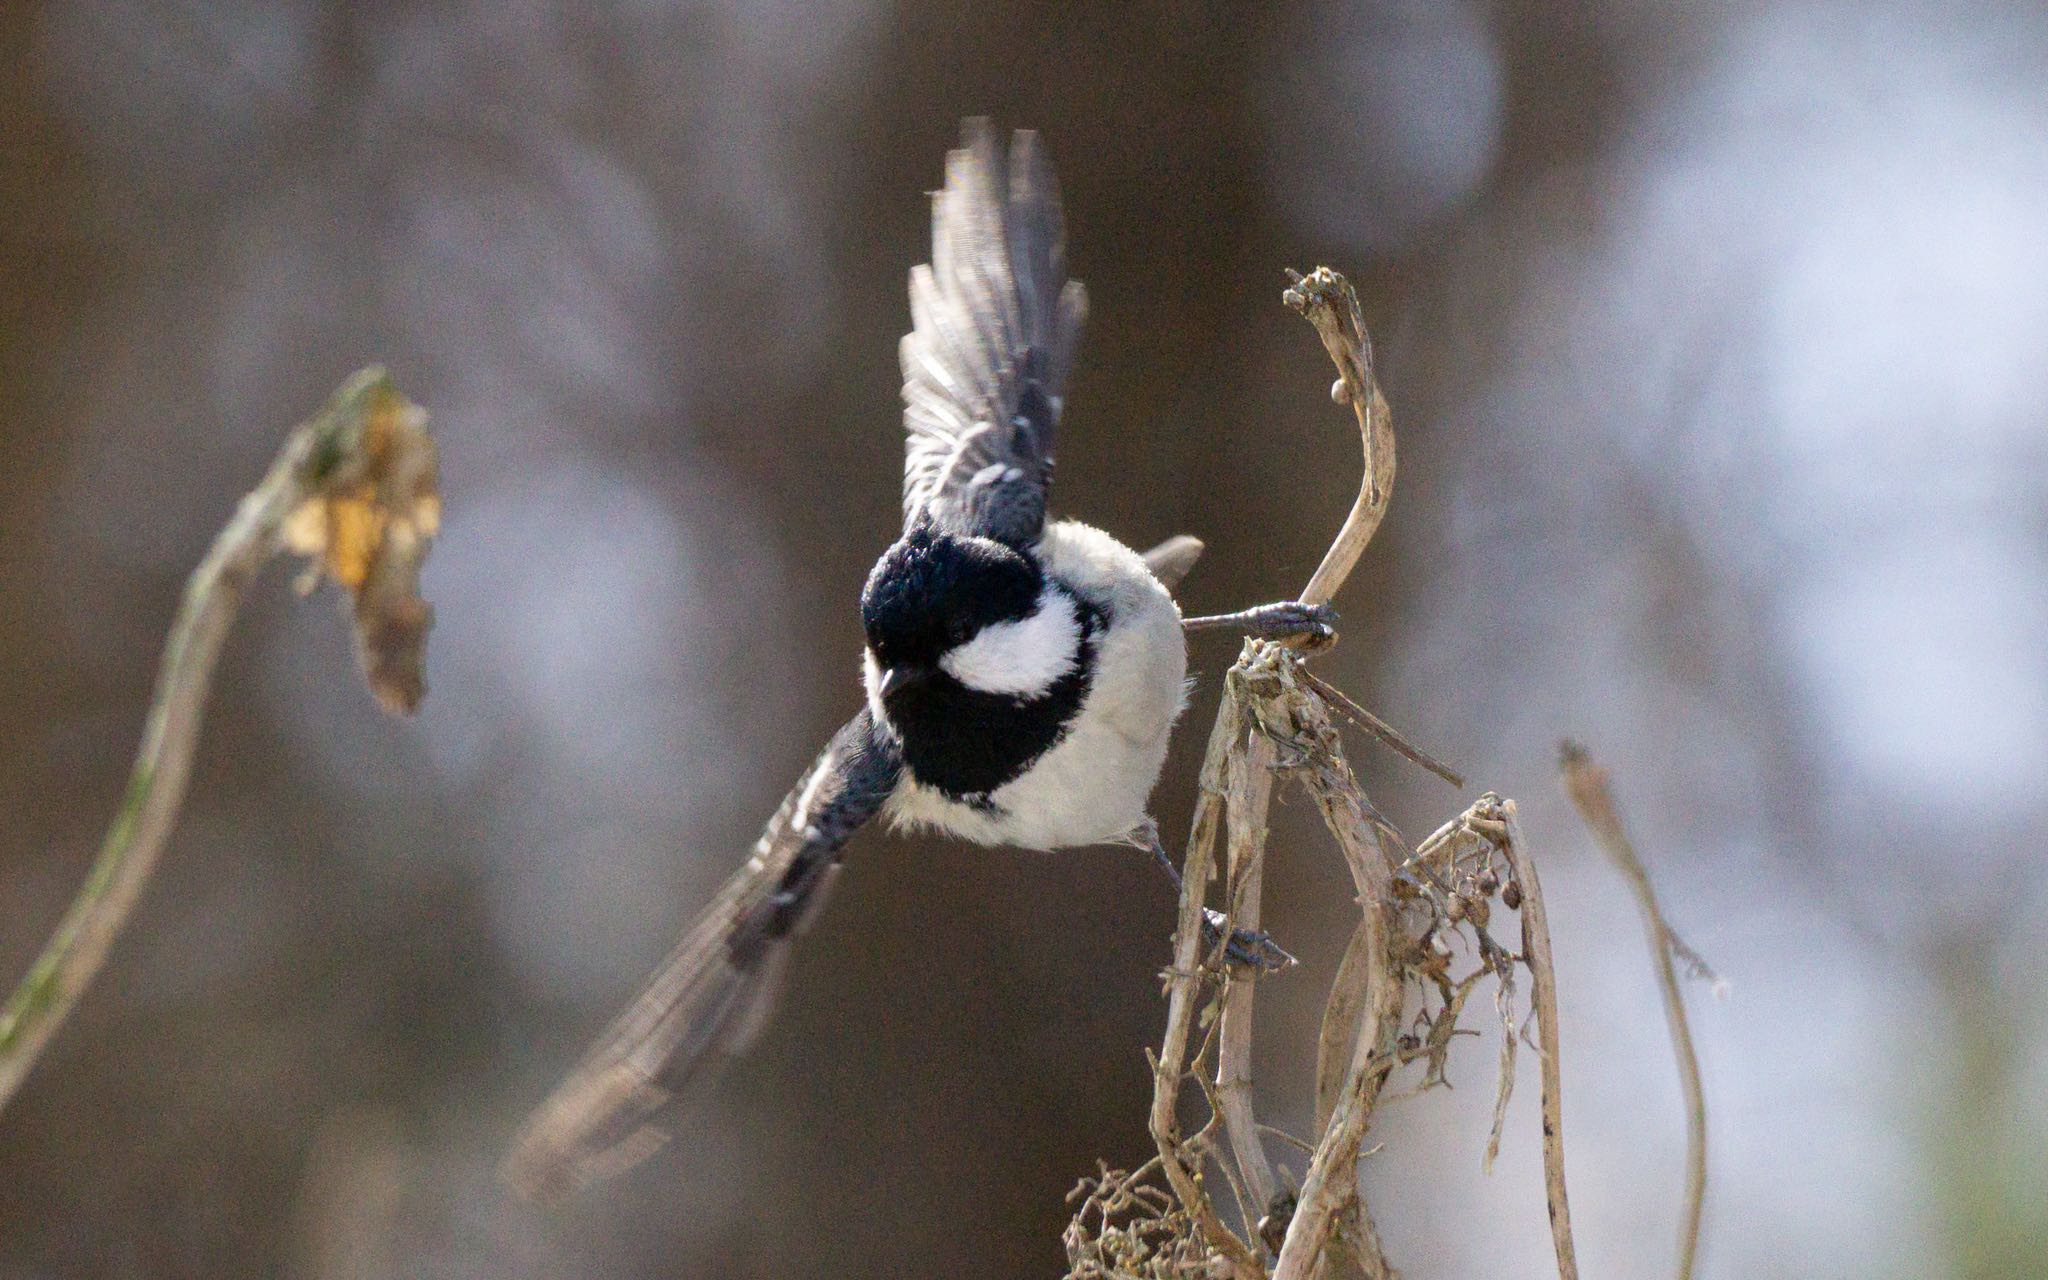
713,992
994,323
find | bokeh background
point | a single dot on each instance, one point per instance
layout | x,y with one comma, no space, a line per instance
1717,337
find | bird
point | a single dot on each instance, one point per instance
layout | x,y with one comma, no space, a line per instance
1022,675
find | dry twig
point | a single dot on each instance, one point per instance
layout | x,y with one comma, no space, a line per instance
1587,784
1182,986
1380,729
1330,304
1543,979
1329,1192
1248,775
354,486
1128,1228
1277,719
1327,301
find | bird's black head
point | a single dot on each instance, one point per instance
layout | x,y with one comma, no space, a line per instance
976,663
933,591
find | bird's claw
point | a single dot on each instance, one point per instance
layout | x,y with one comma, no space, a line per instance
1313,626
1314,623
1249,948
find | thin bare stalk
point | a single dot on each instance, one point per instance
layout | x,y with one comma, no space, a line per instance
1249,779
1354,1248
1342,1014
1543,980
1327,300
1380,729
346,448
1183,983
1587,784
1277,717
1331,1185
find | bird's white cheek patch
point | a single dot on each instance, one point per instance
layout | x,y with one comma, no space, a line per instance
1021,658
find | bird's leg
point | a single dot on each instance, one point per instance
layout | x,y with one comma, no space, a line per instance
1282,620
1254,949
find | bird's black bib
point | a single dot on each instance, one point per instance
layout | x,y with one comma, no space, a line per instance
964,743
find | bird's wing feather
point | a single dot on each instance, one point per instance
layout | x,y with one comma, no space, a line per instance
712,992
994,321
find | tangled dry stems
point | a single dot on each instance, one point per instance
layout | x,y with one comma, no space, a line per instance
1424,941
1129,1227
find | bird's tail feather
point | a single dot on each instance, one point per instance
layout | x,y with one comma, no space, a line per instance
1171,559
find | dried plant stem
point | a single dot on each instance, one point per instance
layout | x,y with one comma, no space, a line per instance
1329,1192
1342,1013
1278,718
1367,986
1543,980
1354,1247
1380,729
1587,784
1327,300
1182,985
1330,304
318,455
1248,778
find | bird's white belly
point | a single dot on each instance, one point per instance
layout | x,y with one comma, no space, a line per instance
1092,786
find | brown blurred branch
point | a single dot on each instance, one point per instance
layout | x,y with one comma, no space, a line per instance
1587,784
354,485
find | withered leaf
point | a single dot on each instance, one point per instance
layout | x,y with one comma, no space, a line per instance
368,527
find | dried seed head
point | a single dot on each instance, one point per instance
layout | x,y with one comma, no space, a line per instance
1512,895
1489,883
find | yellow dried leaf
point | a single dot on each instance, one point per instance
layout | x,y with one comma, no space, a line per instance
369,529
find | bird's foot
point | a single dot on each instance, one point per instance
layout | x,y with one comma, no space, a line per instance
1282,620
1250,948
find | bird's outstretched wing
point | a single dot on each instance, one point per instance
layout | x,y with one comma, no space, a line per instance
994,322
713,992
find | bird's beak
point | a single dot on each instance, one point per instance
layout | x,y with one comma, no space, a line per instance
896,679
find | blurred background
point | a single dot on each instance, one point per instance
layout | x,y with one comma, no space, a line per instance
1717,339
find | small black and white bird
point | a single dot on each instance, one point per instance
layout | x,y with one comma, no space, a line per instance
1022,676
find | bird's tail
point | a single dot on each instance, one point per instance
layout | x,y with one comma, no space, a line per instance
1171,559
